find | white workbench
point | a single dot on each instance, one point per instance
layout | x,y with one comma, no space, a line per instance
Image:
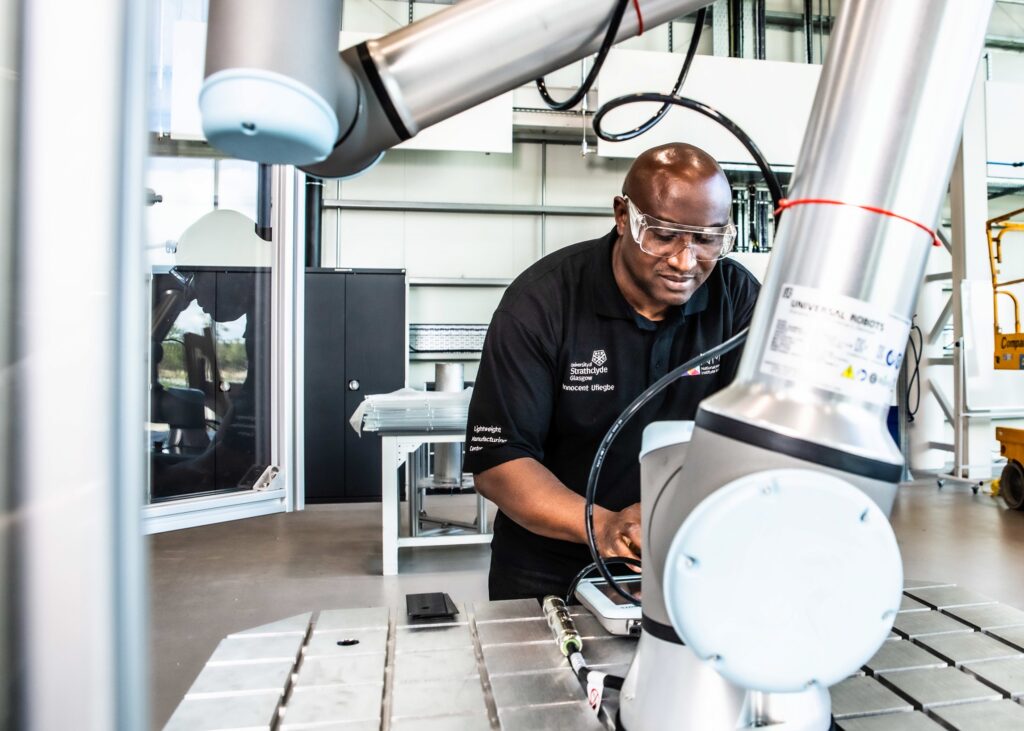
395,450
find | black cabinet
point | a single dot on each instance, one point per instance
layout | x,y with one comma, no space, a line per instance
355,345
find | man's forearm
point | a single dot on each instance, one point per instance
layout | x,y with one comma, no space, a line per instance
528,493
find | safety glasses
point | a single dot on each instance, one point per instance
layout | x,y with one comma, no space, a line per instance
665,239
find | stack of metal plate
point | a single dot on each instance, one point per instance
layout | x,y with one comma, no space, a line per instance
409,410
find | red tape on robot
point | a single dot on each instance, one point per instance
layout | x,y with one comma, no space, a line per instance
639,18
785,204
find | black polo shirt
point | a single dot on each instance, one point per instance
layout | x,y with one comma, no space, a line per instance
564,355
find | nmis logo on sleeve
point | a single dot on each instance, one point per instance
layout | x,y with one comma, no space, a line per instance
706,369
599,358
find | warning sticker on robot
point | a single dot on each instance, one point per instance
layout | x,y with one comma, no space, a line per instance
837,343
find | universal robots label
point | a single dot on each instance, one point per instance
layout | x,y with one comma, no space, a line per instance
835,342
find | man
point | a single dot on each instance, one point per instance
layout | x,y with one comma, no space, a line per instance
576,337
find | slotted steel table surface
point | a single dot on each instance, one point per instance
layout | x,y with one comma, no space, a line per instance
954,662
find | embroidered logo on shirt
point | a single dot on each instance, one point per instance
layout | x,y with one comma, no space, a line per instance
586,375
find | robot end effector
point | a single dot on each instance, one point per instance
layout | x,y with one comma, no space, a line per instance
277,90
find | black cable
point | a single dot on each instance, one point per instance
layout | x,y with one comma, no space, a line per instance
760,30
620,561
809,29
915,378
821,33
683,73
579,664
736,38
613,431
773,183
602,53
614,682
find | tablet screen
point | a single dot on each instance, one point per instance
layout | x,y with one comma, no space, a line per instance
630,585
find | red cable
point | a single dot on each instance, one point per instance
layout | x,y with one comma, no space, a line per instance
786,203
639,17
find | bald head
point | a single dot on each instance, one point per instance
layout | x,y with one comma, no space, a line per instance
677,182
680,184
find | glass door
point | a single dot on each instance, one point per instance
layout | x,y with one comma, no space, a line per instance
209,390
220,300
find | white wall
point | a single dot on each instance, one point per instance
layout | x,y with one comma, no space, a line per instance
466,245
469,245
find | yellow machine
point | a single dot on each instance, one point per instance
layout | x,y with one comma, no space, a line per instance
1009,356
1009,350
1011,482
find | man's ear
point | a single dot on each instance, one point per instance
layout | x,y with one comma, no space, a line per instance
621,215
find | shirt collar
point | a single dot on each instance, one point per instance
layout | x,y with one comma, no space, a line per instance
608,299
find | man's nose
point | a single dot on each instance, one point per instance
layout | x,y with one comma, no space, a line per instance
683,260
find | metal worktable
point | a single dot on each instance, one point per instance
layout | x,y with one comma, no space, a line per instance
955,661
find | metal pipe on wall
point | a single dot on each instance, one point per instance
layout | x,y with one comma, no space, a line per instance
314,216
264,186
809,29
760,29
821,32
448,378
736,28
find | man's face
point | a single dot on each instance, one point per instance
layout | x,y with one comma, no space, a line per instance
700,202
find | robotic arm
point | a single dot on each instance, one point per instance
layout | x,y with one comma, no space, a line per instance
276,89
771,571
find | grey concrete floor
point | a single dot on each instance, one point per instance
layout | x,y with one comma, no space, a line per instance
210,581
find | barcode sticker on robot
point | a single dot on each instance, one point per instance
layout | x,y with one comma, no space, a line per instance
835,342
595,689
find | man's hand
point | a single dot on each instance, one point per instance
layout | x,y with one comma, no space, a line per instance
529,494
618,534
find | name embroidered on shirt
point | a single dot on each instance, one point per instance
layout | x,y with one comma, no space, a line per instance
603,387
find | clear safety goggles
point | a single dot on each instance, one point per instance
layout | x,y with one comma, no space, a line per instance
665,239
